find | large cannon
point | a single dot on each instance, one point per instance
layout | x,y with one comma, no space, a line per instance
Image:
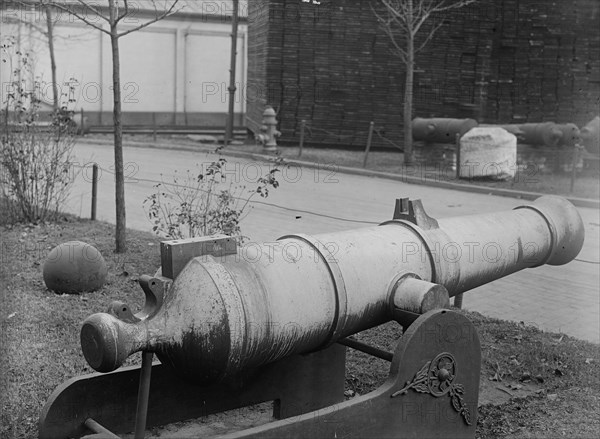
440,129
548,134
231,322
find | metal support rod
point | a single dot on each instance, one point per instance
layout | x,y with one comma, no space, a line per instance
225,135
302,127
143,394
457,155
82,122
576,150
154,126
94,190
458,300
99,429
369,139
367,349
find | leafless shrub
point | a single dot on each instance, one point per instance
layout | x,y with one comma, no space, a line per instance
36,162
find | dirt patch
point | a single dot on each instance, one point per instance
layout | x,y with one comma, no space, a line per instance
495,393
570,413
215,425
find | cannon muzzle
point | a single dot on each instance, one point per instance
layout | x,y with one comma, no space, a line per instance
565,225
222,315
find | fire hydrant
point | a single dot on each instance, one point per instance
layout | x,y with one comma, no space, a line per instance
269,133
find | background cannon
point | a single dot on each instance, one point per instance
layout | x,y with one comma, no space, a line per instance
440,130
238,316
548,134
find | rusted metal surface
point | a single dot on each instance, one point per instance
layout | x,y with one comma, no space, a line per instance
224,315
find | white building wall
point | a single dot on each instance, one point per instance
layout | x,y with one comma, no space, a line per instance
206,86
78,58
177,68
147,69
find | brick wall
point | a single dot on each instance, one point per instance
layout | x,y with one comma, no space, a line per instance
496,60
257,61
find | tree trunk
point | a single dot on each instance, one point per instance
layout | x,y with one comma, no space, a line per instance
232,87
120,239
50,27
408,101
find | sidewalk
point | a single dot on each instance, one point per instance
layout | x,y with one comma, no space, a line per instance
250,152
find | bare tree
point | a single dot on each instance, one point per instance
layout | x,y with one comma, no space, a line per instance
50,36
232,87
403,21
46,33
117,11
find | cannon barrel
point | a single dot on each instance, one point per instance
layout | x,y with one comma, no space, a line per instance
545,133
301,293
441,130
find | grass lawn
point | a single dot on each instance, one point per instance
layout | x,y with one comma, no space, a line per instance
541,384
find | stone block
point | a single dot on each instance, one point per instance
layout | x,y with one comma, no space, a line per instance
590,134
488,153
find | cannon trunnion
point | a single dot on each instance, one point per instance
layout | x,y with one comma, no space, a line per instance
268,322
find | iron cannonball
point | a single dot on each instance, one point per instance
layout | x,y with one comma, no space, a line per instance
74,267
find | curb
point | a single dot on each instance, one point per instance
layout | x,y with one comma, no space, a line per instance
523,195
576,201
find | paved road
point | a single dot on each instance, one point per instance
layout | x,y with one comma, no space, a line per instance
560,299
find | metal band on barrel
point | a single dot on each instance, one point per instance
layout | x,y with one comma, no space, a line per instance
341,299
435,277
551,229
